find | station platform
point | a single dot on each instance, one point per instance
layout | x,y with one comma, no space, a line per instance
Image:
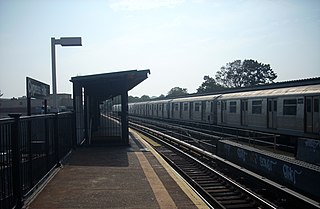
133,177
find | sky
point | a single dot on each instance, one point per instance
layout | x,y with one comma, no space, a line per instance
180,41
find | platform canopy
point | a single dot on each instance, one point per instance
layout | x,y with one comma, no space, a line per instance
108,85
89,93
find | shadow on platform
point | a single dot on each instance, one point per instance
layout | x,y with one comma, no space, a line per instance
112,156
105,151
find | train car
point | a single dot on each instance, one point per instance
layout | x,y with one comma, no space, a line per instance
294,109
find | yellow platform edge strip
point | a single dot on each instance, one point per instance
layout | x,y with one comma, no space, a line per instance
174,175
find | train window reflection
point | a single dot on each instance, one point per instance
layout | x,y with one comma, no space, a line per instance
233,107
257,107
290,107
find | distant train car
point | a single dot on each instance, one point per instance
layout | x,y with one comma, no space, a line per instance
201,108
285,109
160,108
116,108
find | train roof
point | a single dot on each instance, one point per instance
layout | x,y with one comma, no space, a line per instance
305,87
198,98
159,101
151,102
289,91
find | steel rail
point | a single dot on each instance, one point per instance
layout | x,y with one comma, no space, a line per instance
219,134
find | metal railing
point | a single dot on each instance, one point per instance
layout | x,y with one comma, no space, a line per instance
30,147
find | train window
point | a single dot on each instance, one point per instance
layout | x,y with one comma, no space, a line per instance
316,105
197,107
176,107
289,107
185,106
275,106
233,107
257,107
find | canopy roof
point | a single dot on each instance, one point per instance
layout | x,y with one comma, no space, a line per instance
107,85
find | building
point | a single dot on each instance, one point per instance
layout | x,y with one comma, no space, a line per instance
19,105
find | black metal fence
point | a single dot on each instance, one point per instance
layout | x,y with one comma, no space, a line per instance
30,147
105,129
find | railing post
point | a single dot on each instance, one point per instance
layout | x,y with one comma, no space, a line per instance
56,139
74,130
46,142
274,143
16,159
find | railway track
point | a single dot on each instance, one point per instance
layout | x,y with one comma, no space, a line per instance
206,136
219,183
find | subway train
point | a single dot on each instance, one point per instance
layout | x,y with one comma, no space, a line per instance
290,108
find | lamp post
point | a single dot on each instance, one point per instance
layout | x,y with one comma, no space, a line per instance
63,41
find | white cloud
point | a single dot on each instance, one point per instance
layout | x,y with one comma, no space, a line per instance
132,5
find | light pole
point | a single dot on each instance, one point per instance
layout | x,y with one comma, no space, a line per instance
63,41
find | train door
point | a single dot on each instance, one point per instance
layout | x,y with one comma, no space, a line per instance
180,110
191,110
312,114
162,110
272,113
223,111
172,110
213,112
167,106
244,112
203,110
147,110
152,110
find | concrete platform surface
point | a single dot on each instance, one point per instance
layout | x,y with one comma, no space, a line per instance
114,177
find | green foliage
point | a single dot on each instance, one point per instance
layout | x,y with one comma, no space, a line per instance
244,74
133,99
209,85
143,98
177,91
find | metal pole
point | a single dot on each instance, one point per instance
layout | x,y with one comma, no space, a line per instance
28,98
124,118
54,76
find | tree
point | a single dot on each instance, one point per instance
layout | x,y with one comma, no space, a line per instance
177,91
244,74
132,99
144,98
209,85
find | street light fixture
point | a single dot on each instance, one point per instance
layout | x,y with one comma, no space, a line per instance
63,41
